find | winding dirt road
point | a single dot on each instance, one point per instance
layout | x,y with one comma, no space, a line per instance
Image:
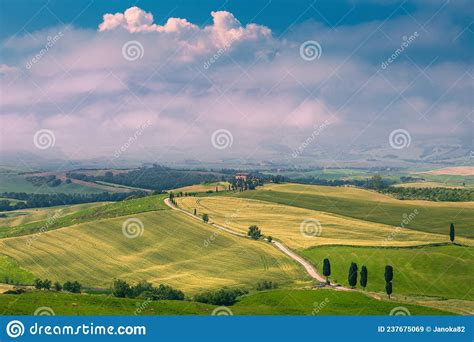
308,266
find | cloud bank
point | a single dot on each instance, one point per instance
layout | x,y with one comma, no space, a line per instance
184,82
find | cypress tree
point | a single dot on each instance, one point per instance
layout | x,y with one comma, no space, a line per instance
388,289
352,278
363,277
451,232
326,269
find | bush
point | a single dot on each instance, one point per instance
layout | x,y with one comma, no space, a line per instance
266,285
144,289
254,232
223,296
74,287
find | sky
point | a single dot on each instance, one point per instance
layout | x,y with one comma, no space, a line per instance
210,80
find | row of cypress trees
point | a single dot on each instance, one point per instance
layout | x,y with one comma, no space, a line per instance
364,275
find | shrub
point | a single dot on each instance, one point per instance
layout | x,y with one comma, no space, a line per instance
223,296
266,285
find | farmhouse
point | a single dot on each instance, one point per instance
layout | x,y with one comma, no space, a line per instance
241,175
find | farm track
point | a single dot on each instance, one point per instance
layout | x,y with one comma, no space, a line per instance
310,269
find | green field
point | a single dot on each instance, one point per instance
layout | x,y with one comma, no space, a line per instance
434,217
279,302
30,221
221,186
441,271
13,182
284,223
12,272
173,249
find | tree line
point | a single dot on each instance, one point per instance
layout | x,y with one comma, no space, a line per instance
50,200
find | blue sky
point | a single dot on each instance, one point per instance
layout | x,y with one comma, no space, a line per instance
239,66
276,14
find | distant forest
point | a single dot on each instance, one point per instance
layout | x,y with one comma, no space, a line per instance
50,200
157,177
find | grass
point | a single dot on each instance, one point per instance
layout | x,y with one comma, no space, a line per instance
279,302
321,302
173,249
433,217
12,201
12,182
11,271
284,223
429,185
440,271
58,217
203,187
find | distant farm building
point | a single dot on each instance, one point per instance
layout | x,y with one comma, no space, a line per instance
241,175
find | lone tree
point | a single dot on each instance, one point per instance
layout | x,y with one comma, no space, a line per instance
326,269
205,218
363,277
451,232
57,286
254,232
195,211
388,280
269,239
38,283
388,273
352,278
388,289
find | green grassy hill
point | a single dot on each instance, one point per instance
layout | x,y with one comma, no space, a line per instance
285,223
439,271
279,302
173,249
433,217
